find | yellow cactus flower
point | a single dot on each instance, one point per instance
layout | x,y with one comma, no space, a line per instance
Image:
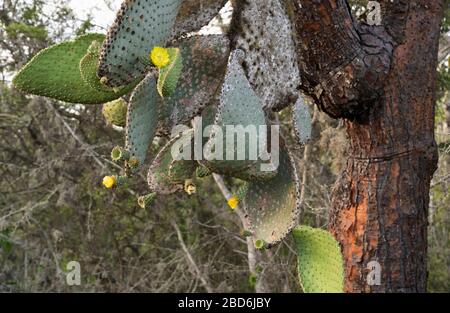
233,202
109,182
160,57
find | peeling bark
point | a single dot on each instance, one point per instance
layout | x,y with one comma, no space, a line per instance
382,80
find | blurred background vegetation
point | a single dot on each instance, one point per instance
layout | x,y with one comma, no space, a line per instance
53,209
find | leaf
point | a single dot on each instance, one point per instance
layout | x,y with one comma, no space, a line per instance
142,118
54,72
169,75
272,207
320,264
139,26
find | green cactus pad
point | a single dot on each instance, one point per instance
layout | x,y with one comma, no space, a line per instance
139,26
115,112
302,121
204,64
194,14
54,72
142,118
270,50
272,207
88,69
239,107
320,264
167,174
169,75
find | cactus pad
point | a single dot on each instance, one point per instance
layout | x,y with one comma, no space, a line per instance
320,264
115,112
272,206
302,121
55,73
142,118
270,50
239,107
139,26
167,174
194,14
88,70
204,64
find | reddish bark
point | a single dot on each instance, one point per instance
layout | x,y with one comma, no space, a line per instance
382,81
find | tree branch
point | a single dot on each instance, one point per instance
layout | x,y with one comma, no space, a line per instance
344,64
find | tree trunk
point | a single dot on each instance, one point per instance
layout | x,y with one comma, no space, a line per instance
382,81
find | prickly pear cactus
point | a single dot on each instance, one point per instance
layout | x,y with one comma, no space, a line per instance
194,14
139,26
170,169
55,73
177,76
204,63
320,264
239,107
142,118
272,207
115,112
263,30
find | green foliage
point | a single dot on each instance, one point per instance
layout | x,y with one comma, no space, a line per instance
54,72
170,74
36,32
320,264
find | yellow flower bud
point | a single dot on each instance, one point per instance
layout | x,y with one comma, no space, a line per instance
189,187
160,57
109,182
233,202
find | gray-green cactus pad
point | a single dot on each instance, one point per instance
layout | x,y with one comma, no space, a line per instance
142,118
194,14
320,263
263,29
272,207
139,27
55,73
239,108
204,64
302,121
168,172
